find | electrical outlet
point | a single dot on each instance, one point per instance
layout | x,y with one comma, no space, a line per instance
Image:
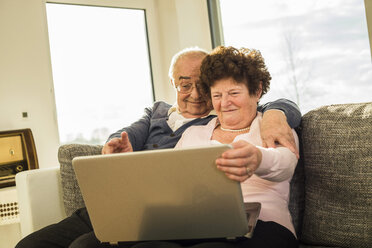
25,115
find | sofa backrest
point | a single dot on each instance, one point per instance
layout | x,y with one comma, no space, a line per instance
72,197
337,162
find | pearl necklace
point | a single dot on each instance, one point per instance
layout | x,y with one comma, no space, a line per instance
235,130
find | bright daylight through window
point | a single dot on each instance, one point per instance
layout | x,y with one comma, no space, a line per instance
101,71
316,51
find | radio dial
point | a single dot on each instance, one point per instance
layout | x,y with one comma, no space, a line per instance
19,168
12,152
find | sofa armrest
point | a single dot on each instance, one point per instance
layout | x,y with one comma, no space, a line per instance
39,198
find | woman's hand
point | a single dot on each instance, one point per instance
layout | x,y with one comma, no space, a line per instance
240,163
274,128
118,145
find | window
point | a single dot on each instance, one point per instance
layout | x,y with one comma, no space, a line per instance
316,51
101,69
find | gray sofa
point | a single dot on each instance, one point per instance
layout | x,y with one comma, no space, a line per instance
331,191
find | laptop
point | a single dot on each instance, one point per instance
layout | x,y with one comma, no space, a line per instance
166,194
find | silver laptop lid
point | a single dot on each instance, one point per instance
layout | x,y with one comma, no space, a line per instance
161,195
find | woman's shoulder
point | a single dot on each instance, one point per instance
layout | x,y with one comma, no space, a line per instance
197,134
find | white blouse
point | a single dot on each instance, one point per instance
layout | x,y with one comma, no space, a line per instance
270,183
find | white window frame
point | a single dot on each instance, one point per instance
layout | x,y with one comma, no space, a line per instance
152,31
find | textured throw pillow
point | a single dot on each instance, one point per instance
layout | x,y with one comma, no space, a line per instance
337,154
72,197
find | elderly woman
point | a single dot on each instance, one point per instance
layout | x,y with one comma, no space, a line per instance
236,80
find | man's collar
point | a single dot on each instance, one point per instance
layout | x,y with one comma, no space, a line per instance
213,112
172,109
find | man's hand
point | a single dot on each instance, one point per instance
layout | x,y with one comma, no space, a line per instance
275,129
118,145
241,162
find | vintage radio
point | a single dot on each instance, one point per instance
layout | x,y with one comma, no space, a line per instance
17,153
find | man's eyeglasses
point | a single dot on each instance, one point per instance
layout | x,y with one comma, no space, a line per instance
186,88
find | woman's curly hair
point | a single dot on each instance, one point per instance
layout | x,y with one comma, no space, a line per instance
243,65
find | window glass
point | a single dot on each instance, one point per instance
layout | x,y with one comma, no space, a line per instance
316,51
101,69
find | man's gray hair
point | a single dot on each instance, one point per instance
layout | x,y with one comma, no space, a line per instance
196,52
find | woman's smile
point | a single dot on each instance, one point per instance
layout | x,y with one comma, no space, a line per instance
228,110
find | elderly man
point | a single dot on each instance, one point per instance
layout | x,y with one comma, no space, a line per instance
161,127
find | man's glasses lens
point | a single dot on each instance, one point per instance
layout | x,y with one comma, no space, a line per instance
187,88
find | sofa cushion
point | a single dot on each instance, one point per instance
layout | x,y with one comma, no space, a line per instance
72,197
337,154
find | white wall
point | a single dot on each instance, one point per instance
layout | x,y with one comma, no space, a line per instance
26,83
182,23
25,75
